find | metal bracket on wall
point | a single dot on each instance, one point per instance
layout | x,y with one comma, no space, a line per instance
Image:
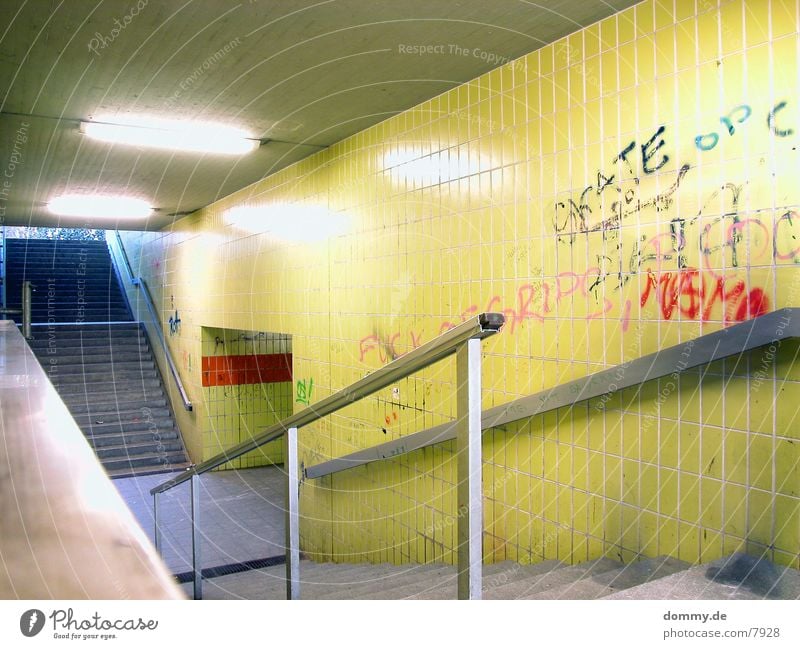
733,340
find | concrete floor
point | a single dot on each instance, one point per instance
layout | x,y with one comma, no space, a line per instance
241,515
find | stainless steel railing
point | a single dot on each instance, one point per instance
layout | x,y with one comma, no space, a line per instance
118,254
464,341
25,311
733,340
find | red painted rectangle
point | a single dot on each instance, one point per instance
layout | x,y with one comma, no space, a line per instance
244,369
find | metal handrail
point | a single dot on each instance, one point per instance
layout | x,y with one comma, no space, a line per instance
479,326
464,341
140,283
736,339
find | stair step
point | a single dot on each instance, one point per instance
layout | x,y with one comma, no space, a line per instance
134,451
78,403
737,576
166,460
149,469
98,389
600,585
526,587
122,360
494,576
132,437
95,373
143,427
113,417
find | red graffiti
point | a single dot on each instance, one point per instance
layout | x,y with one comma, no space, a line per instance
386,347
694,294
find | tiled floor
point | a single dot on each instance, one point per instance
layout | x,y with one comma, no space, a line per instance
241,515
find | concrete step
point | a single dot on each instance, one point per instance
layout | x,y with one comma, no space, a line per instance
79,404
112,327
133,437
112,416
737,576
494,576
92,364
319,579
596,586
104,390
143,426
137,450
165,460
371,579
97,373
125,360
417,584
90,348
151,469
537,582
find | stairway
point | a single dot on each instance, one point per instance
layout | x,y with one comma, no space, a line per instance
738,576
96,355
74,281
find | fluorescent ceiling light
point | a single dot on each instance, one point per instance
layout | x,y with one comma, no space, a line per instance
290,222
94,206
197,137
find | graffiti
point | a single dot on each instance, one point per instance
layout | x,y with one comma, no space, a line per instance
708,141
392,418
780,234
386,346
649,150
780,132
174,323
739,115
305,389
694,294
585,212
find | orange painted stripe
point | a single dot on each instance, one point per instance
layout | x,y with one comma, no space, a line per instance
244,369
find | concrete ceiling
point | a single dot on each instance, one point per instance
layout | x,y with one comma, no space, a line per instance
304,73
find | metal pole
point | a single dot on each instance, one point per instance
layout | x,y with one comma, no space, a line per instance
197,566
156,530
468,449
4,264
26,309
292,515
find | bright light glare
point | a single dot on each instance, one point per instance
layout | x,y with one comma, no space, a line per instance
94,206
198,137
290,222
443,166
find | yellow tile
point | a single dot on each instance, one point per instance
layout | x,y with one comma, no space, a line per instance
787,524
787,467
645,15
756,18
760,461
760,522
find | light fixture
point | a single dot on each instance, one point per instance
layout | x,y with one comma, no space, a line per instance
289,221
179,135
99,206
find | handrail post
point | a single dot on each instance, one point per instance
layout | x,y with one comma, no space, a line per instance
292,515
197,565
468,450
27,288
156,530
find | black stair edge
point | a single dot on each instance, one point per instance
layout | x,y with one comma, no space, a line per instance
232,568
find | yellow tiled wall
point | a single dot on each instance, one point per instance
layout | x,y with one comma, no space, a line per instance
237,413
627,188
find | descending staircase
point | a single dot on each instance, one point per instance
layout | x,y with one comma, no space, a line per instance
95,354
738,576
